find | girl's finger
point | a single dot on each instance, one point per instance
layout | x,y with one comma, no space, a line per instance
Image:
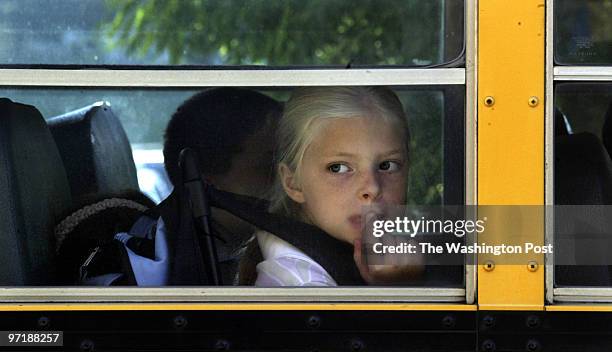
364,270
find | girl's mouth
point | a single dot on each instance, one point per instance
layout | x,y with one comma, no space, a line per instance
356,222
360,221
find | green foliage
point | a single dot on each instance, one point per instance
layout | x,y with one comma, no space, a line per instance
426,120
583,31
274,32
299,32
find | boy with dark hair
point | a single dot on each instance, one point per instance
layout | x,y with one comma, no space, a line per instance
126,240
232,132
219,124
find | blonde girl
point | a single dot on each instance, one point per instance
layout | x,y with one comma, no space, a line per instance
340,150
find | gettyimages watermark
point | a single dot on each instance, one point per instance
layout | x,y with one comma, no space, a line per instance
509,235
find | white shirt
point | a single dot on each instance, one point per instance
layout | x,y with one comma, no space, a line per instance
285,265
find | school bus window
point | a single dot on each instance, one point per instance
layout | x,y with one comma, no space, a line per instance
429,110
238,32
118,41
581,145
582,32
583,183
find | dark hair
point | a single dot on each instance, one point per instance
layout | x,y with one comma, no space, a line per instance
215,123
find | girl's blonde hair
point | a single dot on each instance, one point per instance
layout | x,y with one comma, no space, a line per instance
297,127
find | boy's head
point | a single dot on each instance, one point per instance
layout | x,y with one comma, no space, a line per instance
231,131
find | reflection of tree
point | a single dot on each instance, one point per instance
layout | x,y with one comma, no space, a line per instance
425,116
601,12
583,31
284,32
302,32
583,35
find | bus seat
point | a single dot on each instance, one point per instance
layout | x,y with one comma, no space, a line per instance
583,170
154,181
35,195
583,176
95,150
606,131
562,125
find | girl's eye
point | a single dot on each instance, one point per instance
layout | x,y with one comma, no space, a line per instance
389,166
338,168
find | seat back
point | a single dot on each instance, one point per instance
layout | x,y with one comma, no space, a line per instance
95,151
562,125
583,176
35,195
583,170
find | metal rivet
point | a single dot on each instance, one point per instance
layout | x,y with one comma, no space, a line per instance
488,345
314,322
87,345
489,265
356,345
448,321
532,266
43,322
489,101
488,321
532,321
533,101
532,346
180,322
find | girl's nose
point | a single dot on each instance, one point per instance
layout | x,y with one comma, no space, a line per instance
370,188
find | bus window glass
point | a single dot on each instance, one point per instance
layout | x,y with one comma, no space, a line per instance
583,183
583,32
237,32
435,117
584,106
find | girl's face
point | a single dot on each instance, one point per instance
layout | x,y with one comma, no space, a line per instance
351,163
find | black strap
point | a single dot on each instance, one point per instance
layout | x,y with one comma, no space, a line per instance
335,256
184,251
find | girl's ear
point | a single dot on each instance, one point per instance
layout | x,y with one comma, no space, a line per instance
290,185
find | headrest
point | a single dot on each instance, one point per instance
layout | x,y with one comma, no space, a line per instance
606,131
562,125
583,170
35,194
95,150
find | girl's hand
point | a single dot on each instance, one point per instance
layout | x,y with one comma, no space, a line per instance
392,274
